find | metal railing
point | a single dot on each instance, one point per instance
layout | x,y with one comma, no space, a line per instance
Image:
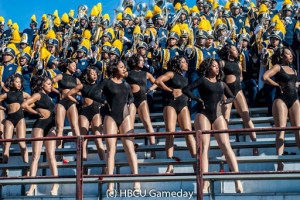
199,174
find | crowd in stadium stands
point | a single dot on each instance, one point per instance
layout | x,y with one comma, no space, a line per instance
98,73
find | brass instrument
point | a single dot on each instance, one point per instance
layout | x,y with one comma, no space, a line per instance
142,9
68,40
82,10
176,17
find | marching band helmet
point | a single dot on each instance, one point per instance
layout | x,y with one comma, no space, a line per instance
11,49
2,21
278,31
33,20
175,32
287,6
106,47
116,48
142,45
26,53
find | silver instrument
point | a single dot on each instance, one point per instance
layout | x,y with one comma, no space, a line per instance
82,10
176,17
142,8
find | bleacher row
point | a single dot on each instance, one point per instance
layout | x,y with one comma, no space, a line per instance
263,166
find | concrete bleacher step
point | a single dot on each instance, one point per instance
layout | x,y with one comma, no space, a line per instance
256,190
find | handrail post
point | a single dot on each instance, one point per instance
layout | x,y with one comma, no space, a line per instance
199,165
79,168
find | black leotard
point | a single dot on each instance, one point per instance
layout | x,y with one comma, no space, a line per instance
45,103
118,96
177,82
290,93
67,82
15,96
211,94
89,111
233,68
139,78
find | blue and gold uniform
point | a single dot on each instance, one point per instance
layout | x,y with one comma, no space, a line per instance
9,68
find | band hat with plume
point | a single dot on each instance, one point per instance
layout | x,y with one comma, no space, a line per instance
86,34
16,38
65,21
175,32
195,12
84,46
11,49
142,45
227,5
51,38
264,12
127,14
278,31
287,5
24,39
137,32
244,35
56,20
185,32
274,20
234,4
99,8
220,25
106,47
25,53
9,23
186,9
2,21
119,16
148,18
109,33
94,14
117,48
205,30
226,12
105,20
157,13
208,3
33,20
177,7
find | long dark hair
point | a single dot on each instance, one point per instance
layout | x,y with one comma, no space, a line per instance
205,67
64,64
38,82
85,76
174,64
133,61
112,67
224,53
10,81
278,55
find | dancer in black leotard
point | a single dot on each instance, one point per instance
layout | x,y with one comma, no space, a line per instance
118,97
175,108
137,78
90,112
232,69
286,101
15,117
66,82
43,127
209,117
